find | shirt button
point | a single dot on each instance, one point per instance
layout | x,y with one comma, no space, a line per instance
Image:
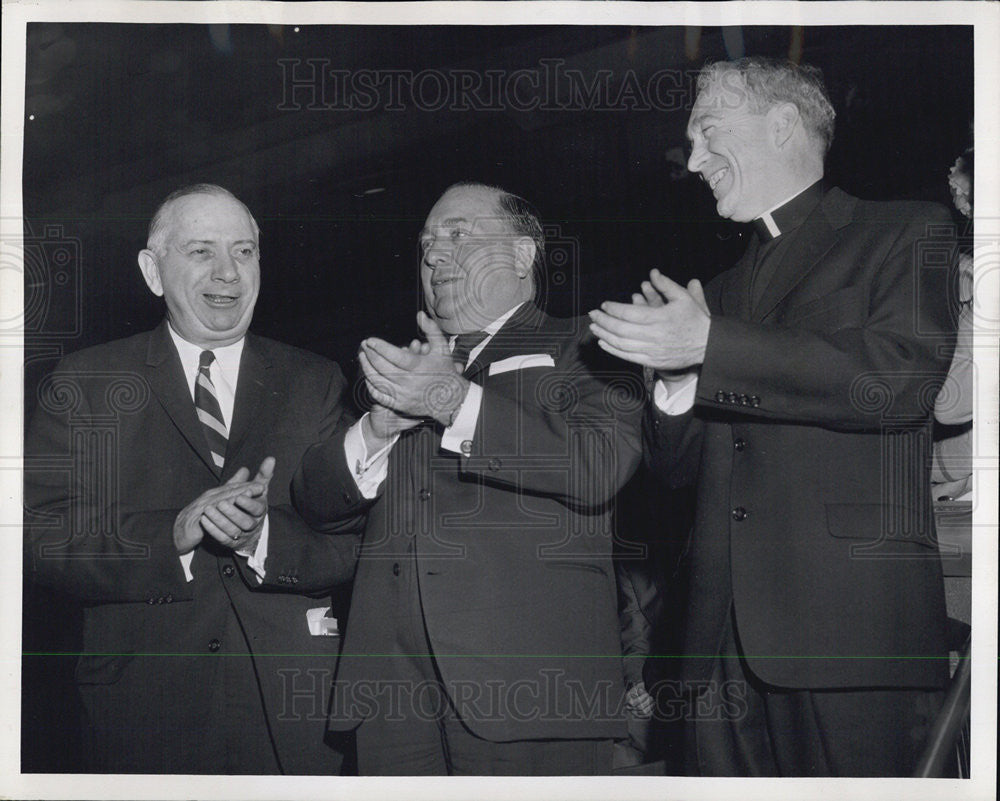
739,513
740,444
228,571
214,645
424,494
395,569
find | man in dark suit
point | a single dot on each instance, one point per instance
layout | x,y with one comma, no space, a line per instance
483,636
800,384
202,650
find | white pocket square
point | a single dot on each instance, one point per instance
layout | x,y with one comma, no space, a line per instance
520,362
320,623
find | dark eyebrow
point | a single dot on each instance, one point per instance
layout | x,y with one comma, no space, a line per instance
698,122
450,221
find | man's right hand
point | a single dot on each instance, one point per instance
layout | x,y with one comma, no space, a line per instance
188,531
381,423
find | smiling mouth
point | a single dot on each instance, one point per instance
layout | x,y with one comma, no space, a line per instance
220,300
714,178
436,282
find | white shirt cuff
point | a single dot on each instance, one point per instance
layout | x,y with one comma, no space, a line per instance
676,397
463,426
369,471
186,564
256,560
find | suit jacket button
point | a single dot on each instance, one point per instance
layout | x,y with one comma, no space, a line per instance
348,498
739,513
744,400
160,600
151,600
214,645
720,396
495,464
466,447
169,599
295,579
754,401
395,569
734,398
424,494
228,571
740,444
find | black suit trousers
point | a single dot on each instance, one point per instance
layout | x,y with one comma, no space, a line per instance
755,729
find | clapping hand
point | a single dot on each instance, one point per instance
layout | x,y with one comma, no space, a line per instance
665,327
419,381
232,514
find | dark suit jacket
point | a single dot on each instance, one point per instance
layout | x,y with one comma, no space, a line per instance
113,453
512,540
811,441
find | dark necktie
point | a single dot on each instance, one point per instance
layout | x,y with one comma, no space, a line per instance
464,345
206,403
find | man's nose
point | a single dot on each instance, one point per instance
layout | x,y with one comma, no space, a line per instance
436,254
697,157
224,268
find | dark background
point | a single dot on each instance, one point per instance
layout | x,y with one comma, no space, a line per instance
118,115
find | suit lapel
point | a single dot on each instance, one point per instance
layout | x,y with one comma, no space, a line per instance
249,391
811,242
166,379
520,332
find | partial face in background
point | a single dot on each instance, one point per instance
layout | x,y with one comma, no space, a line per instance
207,270
473,267
960,183
732,150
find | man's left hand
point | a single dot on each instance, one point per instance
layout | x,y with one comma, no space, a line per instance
666,327
424,384
237,522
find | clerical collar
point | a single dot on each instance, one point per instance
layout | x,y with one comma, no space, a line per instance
790,214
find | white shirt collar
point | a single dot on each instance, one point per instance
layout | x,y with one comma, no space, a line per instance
225,370
490,330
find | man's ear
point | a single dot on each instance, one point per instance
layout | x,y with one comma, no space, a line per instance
524,256
151,272
785,119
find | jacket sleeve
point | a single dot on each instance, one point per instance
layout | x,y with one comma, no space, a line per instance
886,362
76,539
301,557
324,491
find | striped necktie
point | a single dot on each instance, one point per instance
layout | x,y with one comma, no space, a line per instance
206,403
